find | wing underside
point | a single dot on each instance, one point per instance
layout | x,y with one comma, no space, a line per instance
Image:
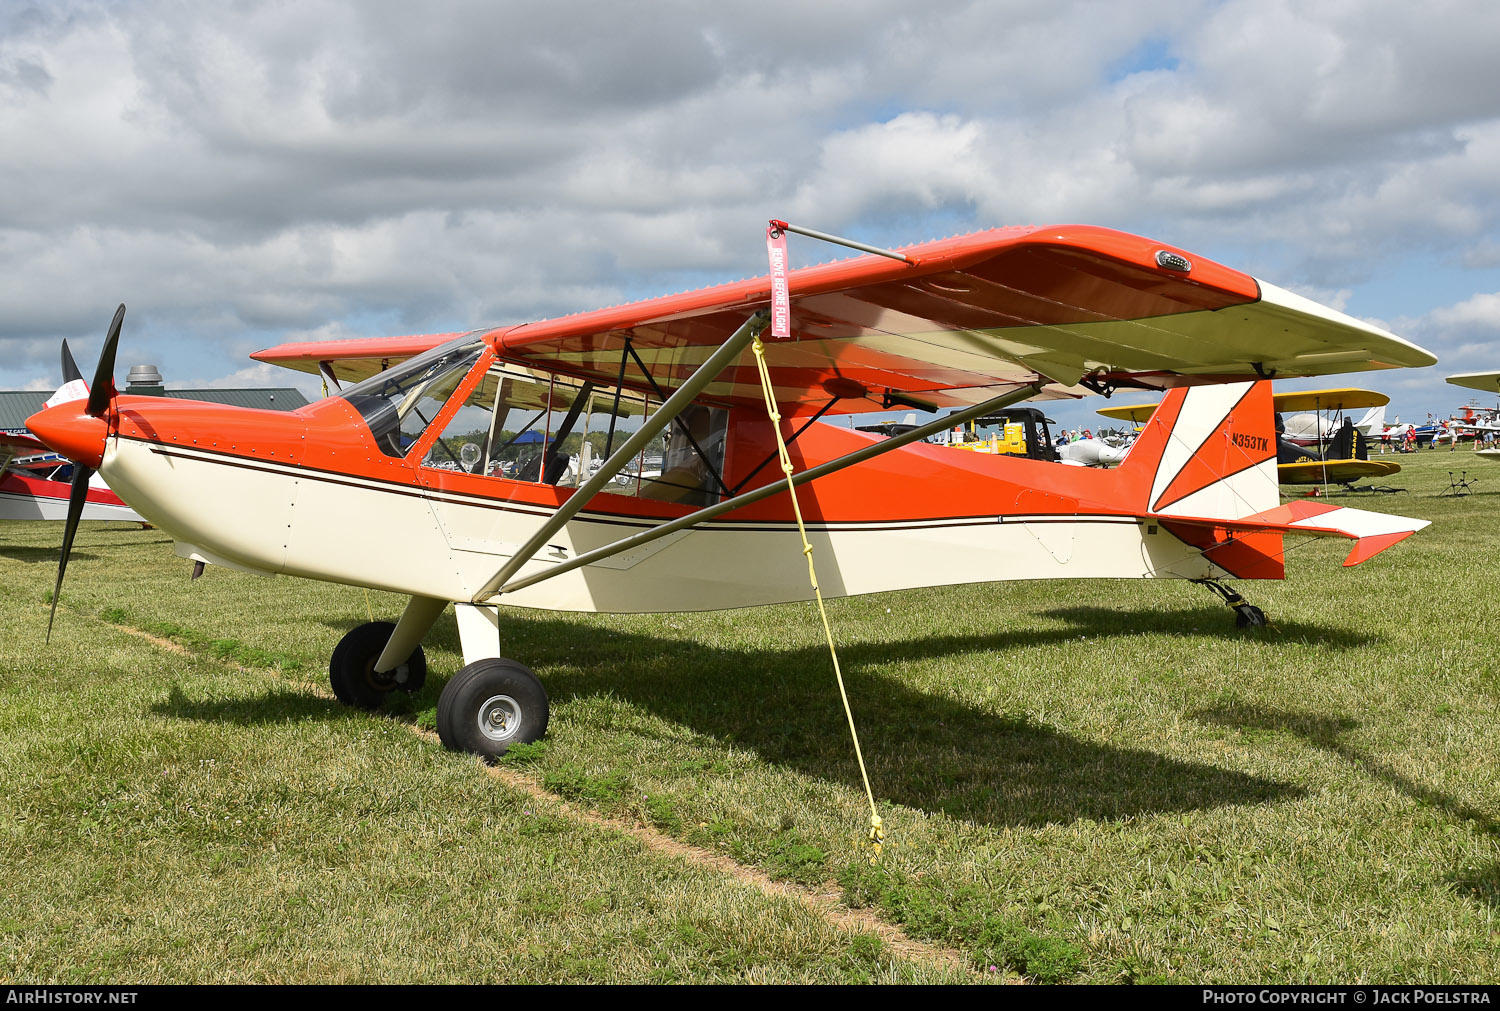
1080,308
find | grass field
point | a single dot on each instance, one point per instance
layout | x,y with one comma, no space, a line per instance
1090,782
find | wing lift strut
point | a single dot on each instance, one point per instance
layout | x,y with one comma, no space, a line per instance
504,580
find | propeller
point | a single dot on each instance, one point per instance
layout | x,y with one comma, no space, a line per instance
101,393
69,366
102,390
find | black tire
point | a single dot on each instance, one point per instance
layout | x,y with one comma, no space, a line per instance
490,705
1249,616
351,670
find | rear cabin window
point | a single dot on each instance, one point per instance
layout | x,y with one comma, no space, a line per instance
526,425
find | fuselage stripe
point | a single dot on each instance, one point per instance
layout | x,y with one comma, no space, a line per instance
302,472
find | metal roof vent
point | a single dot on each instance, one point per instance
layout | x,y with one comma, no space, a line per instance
144,381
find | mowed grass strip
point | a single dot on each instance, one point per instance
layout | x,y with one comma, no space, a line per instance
167,819
1093,781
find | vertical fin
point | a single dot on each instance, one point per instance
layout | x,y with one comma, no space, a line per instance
1210,451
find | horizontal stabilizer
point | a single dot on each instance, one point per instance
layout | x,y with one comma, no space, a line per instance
1372,532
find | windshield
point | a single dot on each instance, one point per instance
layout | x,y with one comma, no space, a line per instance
399,403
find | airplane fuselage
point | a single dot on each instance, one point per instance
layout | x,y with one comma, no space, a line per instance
313,496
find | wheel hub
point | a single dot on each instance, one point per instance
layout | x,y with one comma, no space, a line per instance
499,718
386,681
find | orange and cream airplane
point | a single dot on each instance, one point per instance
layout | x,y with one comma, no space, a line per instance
625,460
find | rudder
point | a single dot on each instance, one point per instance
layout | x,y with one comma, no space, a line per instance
1209,451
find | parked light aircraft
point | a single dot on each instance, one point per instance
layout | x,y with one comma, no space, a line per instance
1319,415
29,489
1489,382
1016,431
414,479
1476,422
34,481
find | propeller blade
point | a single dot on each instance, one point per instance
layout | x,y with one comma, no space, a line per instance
102,390
70,371
76,496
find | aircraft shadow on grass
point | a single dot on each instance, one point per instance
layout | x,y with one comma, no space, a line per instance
924,751
279,705
48,555
1481,884
1201,621
1325,733
31,556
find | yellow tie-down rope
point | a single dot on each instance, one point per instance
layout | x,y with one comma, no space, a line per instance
877,828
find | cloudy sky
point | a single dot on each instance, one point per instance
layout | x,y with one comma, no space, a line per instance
246,173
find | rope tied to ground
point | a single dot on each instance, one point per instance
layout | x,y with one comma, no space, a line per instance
876,834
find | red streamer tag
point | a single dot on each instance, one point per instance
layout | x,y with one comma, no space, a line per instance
781,299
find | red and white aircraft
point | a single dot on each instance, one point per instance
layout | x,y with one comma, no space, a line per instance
30,488
28,491
624,460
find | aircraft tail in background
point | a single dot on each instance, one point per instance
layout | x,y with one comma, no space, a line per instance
1373,423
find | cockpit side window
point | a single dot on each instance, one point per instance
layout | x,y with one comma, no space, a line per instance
693,458
528,425
399,403
502,428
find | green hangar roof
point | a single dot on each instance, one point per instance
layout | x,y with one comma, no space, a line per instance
17,406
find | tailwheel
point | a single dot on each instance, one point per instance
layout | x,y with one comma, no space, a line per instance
1246,615
1249,616
490,705
352,673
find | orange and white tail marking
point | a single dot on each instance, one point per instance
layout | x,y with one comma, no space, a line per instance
1215,452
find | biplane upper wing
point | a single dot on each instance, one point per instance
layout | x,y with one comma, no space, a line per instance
1137,414
1305,401
1079,307
1282,403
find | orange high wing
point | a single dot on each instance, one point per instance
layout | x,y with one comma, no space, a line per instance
1085,308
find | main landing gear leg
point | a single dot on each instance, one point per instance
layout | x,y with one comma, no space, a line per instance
491,703
1245,615
377,658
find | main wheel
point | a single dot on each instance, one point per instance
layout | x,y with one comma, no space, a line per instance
351,670
490,705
